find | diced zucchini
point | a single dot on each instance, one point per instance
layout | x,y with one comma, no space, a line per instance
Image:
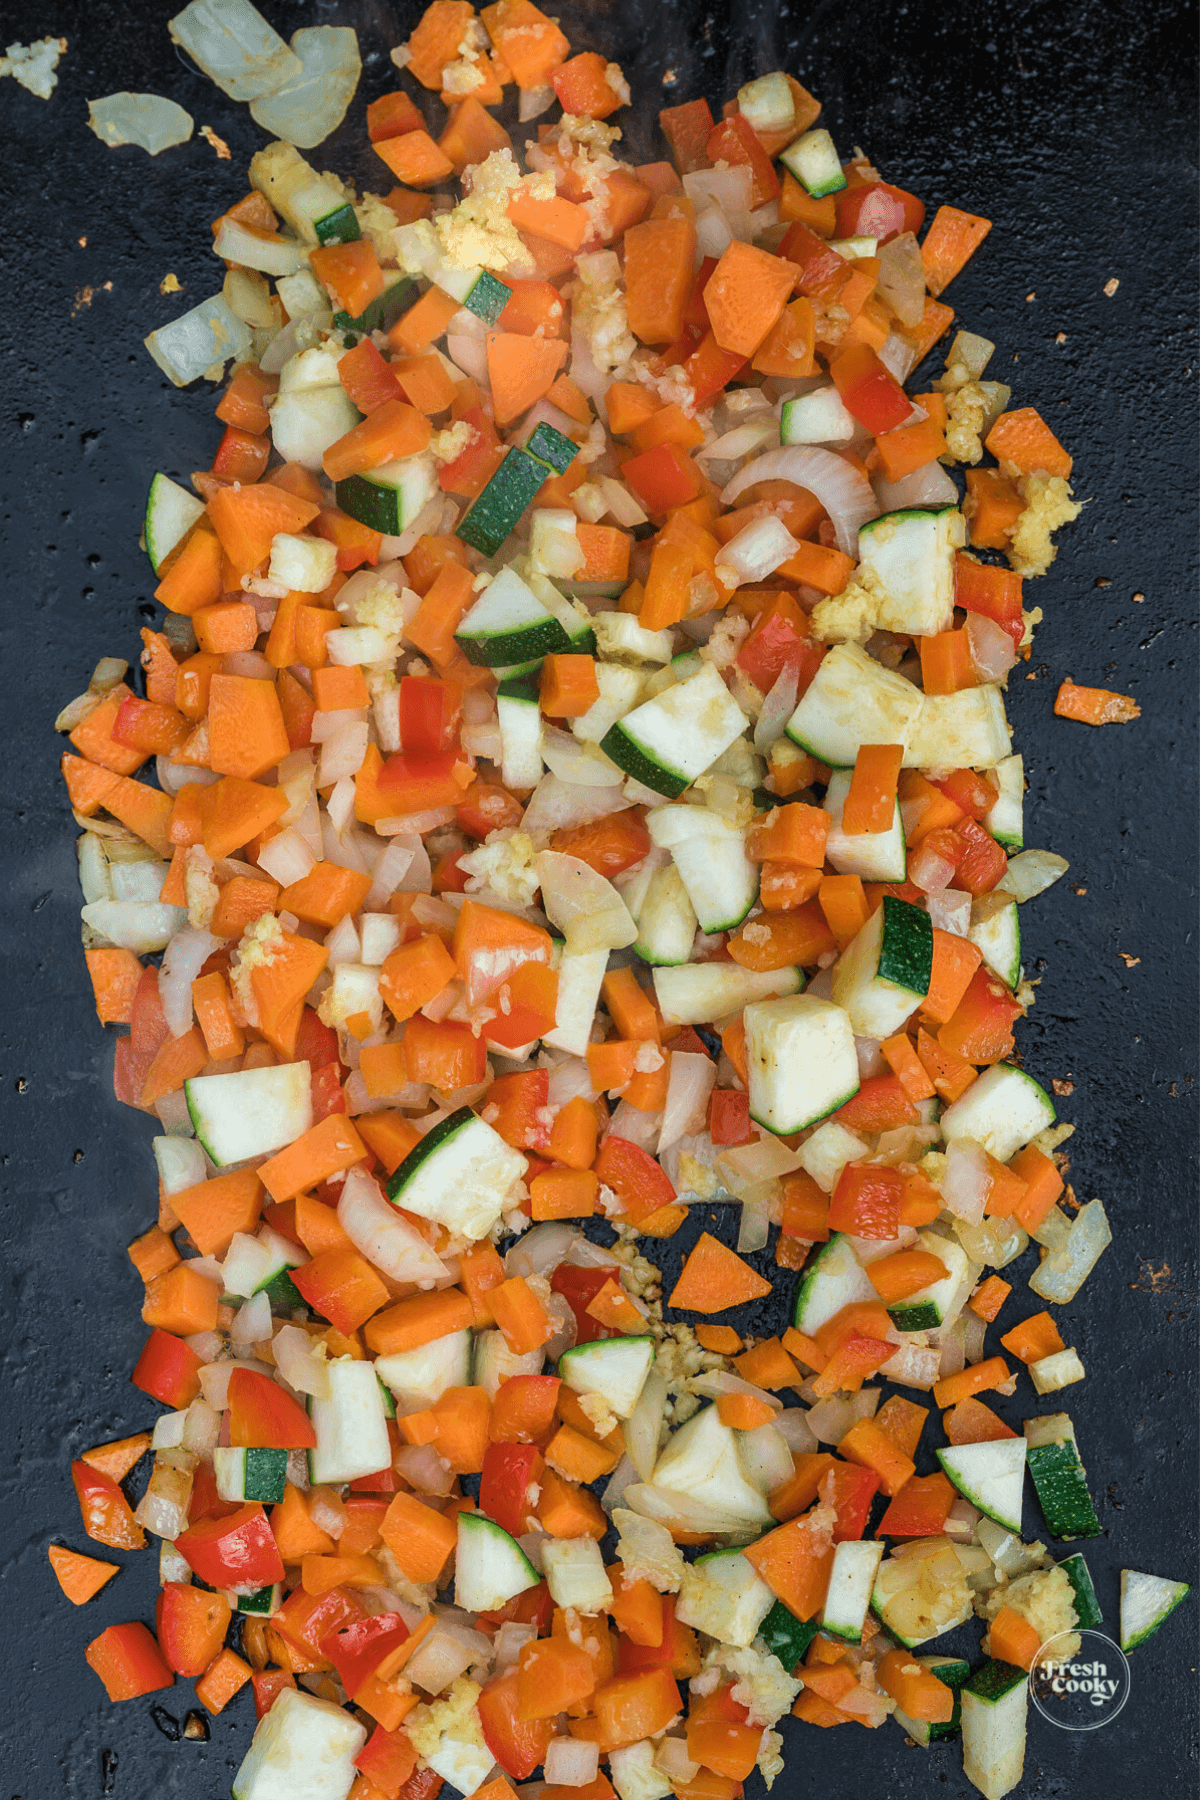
263,1603
351,1425
1002,1110
312,207
303,1749
490,1568
851,701
620,691
575,1574
996,931
493,513
1146,1601
722,1595
389,498
990,1475
478,290
197,340
382,312
814,161
667,742
994,1706
786,1636
851,1580
251,1474
873,855
698,993
462,1174
509,624
419,1377
251,1112
1050,1373
910,555
665,918
614,1368
883,974
801,1061
170,514
1005,821
817,418
1059,1478
700,1463
520,718
966,730
926,1310
462,1763
1087,1607
710,855
834,1278
621,639
552,447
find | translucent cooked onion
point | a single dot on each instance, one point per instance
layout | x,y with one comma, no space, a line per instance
777,708
692,1079
183,959
929,871
573,760
571,1762
235,47
586,908
308,1374
901,279
147,120
423,1469
541,1249
376,1229
793,1426
992,649
967,1181
846,495
313,104
930,486
1031,872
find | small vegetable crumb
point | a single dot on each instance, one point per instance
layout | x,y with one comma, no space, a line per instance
170,284
218,143
33,65
1095,706
1110,287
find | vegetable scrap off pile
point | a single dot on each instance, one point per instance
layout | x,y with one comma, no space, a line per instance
584,793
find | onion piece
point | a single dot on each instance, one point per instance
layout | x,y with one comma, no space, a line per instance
901,278
756,551
643,1427
732,445
930,486
753,1225
308,1374
142,926
793,1426
147,120
251,1322
967,1181
846,495
313,104
541,1249
1029,873
423,1469
585,907
992,649
556,803
287,857
777,708
929,871
376,1229
445,1654
950,911
571,1762
183,959
685,1113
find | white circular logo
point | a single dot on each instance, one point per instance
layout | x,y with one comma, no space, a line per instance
1079,1689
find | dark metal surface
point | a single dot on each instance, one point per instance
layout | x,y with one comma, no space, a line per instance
1073,129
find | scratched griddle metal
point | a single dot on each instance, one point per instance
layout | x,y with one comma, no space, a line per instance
1073,129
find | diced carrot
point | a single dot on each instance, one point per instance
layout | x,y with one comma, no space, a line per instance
79,1577
1095,706
526,41
520,371
868,1444
992,508
326,1149
1033,1338
903,1421
795,1562
411,1323
714,1278
989,1297
745,296
1012,1639
950,243
225,1676
955,960
971,1422
213,1210
1043,1185
393,430
950,1075
993,1372
181,1301
564,1194
243,899
471,133
415,159
114,975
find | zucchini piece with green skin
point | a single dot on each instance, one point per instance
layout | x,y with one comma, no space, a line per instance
580,977
833,1279
817,418
884,973
1146,1602
285,1297
263,1603
303,1749
382,312
389,498
991,1476
518,711
953,1673
995,931
170,514
494,512
552,447
966,730
1006,820
351,1425
801,1061
909,556
477,290
614,1368
490,1568
873,855
620,691
1002,1110
1059,1478
461,1175
851,701
1087,1607
313,207
420,1377
710,855
251,1474
851,1581
994,1708
697,993
667,742
494,1362
786,1636
814,161
722,1595
508,624
250,1112
700,1463
665,919
621,639
927,1309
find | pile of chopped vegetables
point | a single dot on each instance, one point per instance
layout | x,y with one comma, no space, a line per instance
584,793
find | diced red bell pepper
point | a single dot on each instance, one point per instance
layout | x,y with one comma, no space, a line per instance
729,1116
388,1760
779,639
430,712
487,807
237,1551
523,1410
148,1028
305,1619
514,1106
866,1201
579,1287
532,1606
919,1509
822,270
241,455
107,1515
328,1095
518,1745
868,389
665,476
982,861
268,1684
849,1489
735,141
315,1042
980,1029
880,1104
168,1369
992,591
263,1417
475,465
677,1651
508,1471
128,1662
971,792
355,542
191,1624
357,1650
875,209
420,782
635,1178
709,369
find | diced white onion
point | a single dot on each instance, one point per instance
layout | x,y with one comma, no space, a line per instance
992,649
376,1229
846,495
182,962
950,911
540,1250
585,907
777,708
1031,872
287,857
929,871
967,1181
685,1112
571,1762
423,1469
308,1374
251,1322
928,486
